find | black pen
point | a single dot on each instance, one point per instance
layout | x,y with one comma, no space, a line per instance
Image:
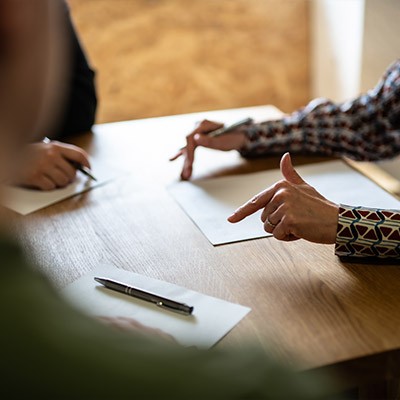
159,301
85,170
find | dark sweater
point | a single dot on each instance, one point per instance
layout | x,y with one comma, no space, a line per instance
79,111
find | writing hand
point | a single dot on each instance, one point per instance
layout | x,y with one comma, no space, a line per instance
293,209
46,166
230,141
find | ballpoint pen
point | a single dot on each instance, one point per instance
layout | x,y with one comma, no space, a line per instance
85,170
227,129
162,302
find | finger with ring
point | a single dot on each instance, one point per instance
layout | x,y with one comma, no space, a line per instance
268,222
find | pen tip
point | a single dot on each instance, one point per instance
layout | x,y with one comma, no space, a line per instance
99,280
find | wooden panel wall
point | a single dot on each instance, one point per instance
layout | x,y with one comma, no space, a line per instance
160,57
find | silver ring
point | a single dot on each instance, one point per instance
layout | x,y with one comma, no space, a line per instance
270,223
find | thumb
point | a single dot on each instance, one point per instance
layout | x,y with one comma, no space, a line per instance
288,172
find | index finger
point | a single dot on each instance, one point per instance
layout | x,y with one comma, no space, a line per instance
256,203
189,157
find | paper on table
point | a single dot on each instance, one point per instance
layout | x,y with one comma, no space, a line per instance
209,202
212,318
25,201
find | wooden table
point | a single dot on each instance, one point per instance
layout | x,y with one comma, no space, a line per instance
308,308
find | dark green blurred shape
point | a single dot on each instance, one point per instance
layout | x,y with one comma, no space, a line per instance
51,351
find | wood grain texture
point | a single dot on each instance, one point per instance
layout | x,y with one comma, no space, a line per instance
163,57
308,307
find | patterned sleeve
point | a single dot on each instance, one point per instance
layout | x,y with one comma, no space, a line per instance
367,128
368,232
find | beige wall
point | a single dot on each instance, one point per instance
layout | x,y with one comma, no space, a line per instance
353,42
381,39
161,57
337,34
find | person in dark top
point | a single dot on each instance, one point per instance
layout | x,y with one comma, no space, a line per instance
79,113
45,165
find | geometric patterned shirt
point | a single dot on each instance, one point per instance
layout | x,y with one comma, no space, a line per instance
366,128
367,232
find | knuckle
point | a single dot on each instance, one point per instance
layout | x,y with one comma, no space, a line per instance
279,235
51,152
281,195
281,184
255,199
285,208
268,228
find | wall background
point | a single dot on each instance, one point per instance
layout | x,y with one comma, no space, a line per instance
160,57
337,40
353,42
381,39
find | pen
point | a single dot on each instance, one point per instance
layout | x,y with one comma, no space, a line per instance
159,301
230,128
85,170
222,131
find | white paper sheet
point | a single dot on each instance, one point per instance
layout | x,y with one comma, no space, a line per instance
209,202
25,201
211,320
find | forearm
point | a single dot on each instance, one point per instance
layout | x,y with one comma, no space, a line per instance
367,128
324,131
367,232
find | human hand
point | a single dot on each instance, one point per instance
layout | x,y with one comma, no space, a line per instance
293,209
234,140
131,325
46,166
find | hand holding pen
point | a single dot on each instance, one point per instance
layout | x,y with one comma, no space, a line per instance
212,135
83,166
49,165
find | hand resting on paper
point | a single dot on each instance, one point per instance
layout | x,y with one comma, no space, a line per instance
131,325
293,209
234,140
46,166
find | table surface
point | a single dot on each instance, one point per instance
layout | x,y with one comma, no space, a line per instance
308,307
